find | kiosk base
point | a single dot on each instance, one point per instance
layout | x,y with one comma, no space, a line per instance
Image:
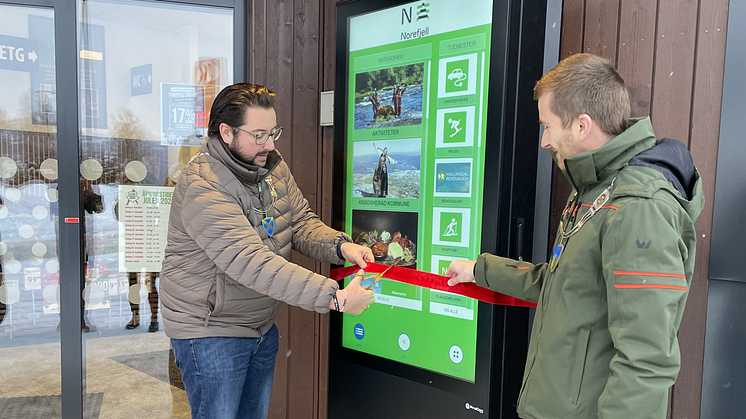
364,393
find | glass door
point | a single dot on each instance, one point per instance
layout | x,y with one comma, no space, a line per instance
29,268
147,75
101,107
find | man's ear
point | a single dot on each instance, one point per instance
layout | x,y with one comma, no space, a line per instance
584,125
226,132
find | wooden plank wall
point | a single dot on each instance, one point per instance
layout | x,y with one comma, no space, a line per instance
284,54
671,54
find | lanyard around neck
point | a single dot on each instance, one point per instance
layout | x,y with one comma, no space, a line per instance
272,192
597,204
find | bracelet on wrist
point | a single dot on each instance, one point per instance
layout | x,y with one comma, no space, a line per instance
336,303
344,303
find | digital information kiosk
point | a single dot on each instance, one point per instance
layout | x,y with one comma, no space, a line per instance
436,159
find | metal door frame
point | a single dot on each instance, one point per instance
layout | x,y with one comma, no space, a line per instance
71,234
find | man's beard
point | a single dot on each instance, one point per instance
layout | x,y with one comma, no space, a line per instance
237,154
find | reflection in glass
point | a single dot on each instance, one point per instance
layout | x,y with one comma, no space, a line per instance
143,109
29,277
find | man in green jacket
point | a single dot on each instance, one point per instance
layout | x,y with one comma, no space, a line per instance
610,301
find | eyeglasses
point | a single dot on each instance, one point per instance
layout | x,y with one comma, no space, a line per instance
262,137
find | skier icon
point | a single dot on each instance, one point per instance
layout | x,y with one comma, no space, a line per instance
455,126
132,197
451,229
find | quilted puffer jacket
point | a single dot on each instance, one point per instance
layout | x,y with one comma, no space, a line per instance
223,273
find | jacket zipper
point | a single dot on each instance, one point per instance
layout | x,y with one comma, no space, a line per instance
544,304
261,201
521,394
209,313
544,297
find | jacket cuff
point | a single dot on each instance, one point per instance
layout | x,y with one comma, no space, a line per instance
479,276
325,297
342,238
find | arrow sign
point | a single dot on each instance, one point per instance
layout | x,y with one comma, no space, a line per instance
18,54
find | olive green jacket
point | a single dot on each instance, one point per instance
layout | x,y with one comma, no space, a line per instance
603,343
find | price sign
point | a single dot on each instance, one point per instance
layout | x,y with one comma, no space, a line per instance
182,117
124,284
32,278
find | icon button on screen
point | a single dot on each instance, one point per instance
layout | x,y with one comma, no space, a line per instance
404,342
456,354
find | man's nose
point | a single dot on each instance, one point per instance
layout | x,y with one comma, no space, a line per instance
545,139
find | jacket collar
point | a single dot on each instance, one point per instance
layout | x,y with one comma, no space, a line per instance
587,169
246,173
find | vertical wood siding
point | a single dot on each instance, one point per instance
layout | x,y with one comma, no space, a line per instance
671,53
284,54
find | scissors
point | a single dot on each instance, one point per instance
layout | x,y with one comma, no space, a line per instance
379,276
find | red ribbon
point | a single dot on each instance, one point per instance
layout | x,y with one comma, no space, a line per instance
434,282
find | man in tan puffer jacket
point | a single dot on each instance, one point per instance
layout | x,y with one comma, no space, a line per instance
235,216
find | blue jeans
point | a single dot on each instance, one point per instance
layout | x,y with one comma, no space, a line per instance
228,378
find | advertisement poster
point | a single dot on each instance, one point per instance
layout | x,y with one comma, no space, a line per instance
416,120
182,114
143,226
212,73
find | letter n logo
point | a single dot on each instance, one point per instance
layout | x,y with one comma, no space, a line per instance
643,245
405,15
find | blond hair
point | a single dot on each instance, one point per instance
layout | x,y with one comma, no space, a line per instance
587,84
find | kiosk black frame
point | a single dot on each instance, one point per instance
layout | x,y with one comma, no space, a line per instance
369,386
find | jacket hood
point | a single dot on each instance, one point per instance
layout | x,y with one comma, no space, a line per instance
246,173
672,159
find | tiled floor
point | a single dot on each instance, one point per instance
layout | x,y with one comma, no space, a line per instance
127,375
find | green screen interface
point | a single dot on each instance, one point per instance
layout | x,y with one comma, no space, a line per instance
417,95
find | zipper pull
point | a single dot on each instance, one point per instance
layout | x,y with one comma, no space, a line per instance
207,319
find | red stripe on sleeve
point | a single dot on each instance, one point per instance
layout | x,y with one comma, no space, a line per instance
667,287
649,274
